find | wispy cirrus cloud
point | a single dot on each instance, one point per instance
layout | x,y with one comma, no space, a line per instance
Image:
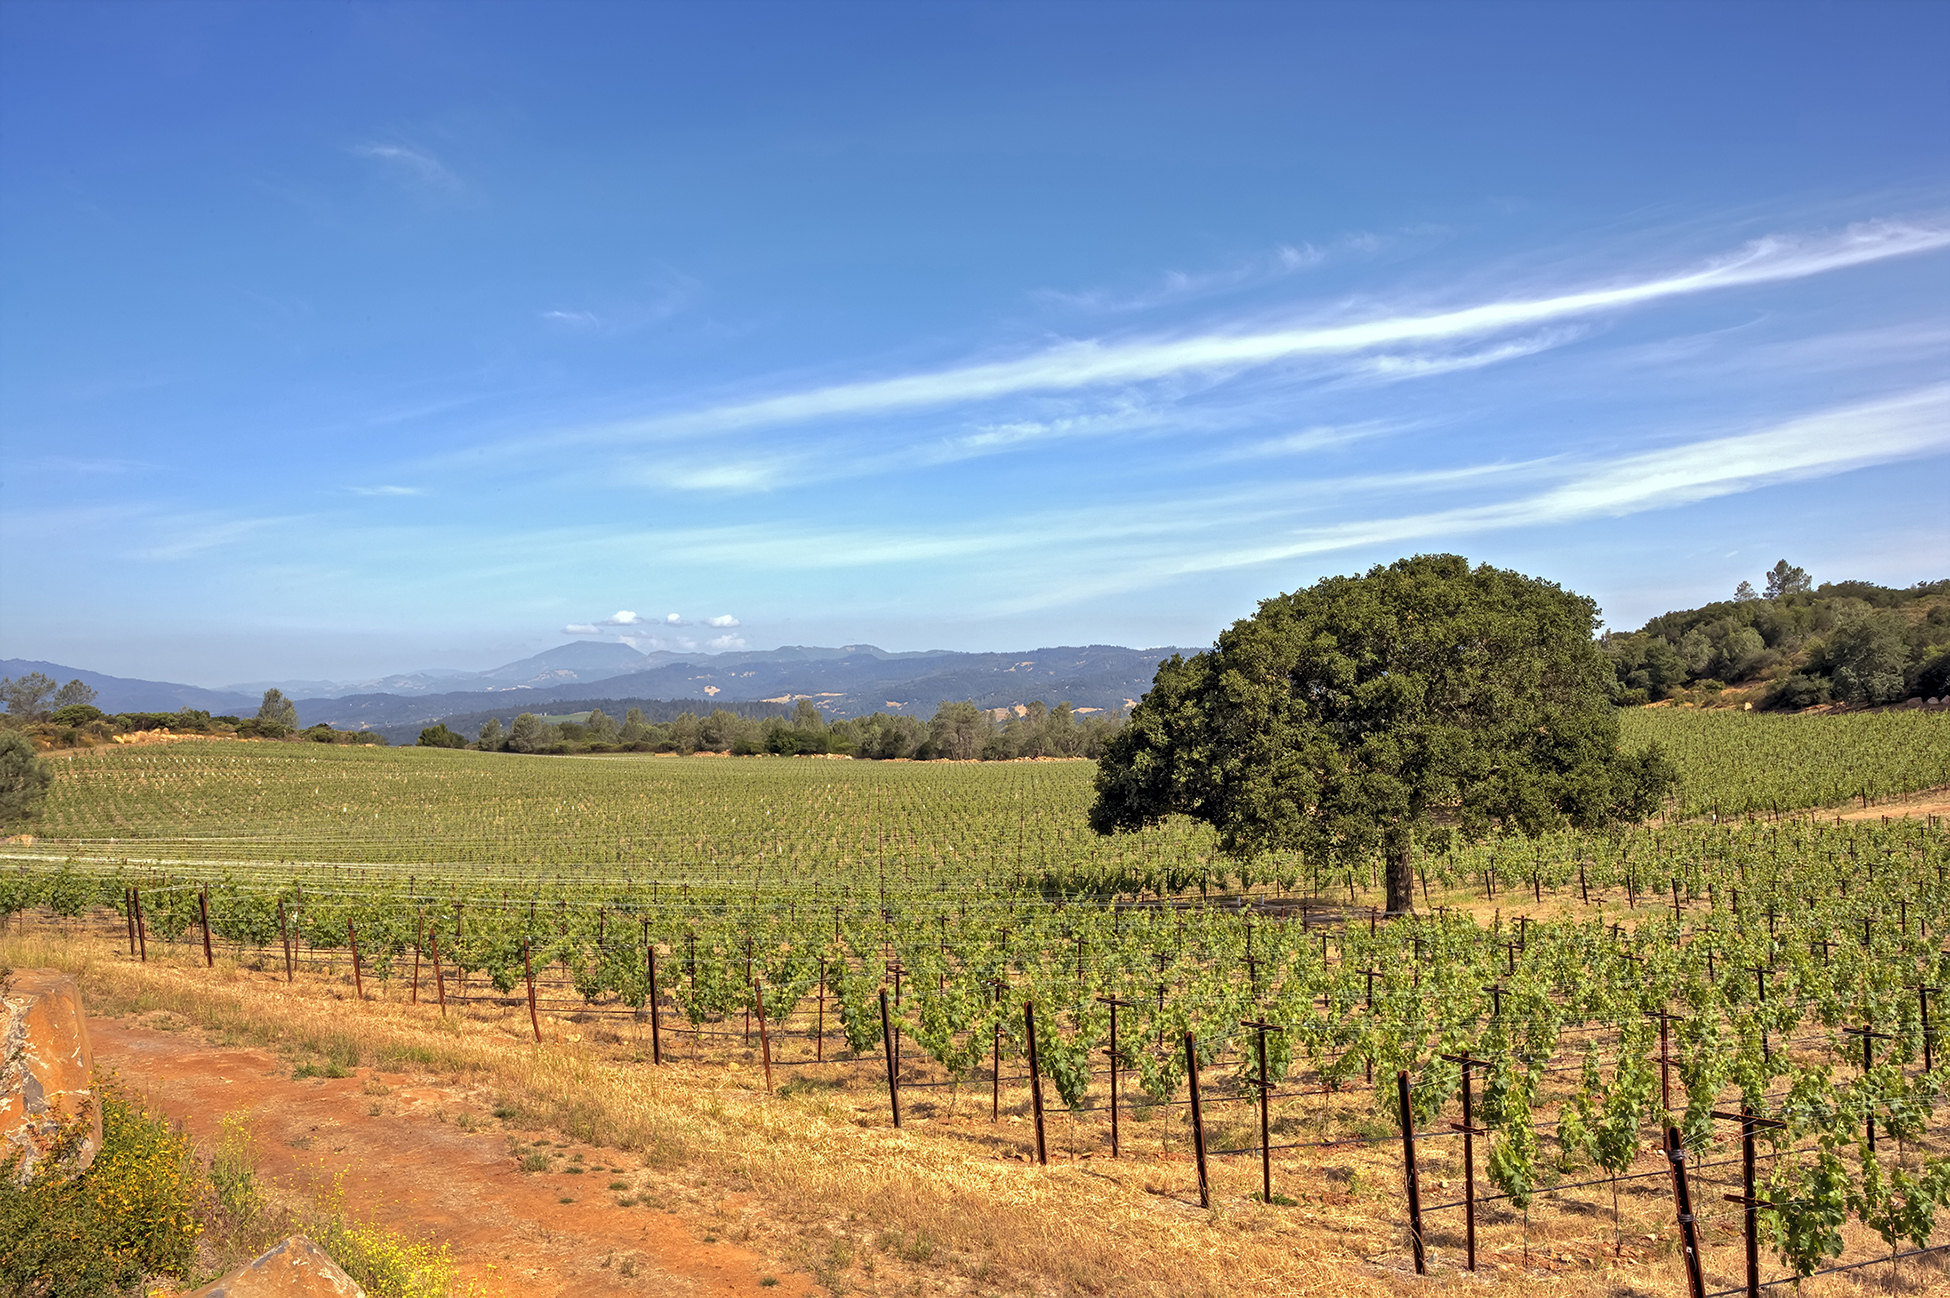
186,537
1889,430
387,490
647,301
1389,367
415,167
1179,286
1081,364
1318,437
1126,546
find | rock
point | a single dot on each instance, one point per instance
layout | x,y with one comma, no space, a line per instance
46,1068
293,1268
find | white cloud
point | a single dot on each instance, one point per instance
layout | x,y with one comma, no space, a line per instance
1138,545
415,166
724,642
1423,366
185,537
1906,426
1319,437
622,617
582,628
760,474
1177,285
1089,363
387,491
630,306
674,619
722,620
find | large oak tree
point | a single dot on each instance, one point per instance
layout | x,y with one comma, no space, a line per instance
1422,699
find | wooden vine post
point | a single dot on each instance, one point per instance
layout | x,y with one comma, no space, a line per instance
1749,1124
1035,1078
995,1067
887,1048
1116,1062
439,979
1665,1056
528,967
819,1033
656,1024
1414,1185
128,908
203,909
1923,1004
1469,1131
1265,1085
352,941
1869,1036
1682,1198
764,1039
141,930
1198,1122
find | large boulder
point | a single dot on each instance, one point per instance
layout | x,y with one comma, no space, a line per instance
45,1068
295,1268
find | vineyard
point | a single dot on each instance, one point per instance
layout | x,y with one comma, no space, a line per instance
1568,1021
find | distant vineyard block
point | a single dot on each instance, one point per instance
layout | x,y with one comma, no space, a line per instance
45,1077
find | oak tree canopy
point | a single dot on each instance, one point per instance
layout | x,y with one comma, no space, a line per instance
1361,714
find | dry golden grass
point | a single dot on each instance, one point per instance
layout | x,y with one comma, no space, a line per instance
863,1208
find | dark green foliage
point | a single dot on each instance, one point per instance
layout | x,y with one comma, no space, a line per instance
1345,719
277,714
1931,678
190,720
1799,691
438,736
1784,579
882,735
24,779
529,734
26,696
958,731
1865,657
76,714
76,693
1851,641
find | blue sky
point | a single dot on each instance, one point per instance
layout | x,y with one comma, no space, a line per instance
344,339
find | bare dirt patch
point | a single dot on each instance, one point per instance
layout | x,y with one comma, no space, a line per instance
1914,806
428,1158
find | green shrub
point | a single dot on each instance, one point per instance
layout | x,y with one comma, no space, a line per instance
130,1216
24,779
438,736
1798,691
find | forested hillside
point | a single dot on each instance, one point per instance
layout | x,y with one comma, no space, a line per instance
1793,645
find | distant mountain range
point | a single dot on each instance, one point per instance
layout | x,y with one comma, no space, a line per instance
846,681
584,660
120,694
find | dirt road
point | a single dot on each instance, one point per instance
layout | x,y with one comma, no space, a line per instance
427,1159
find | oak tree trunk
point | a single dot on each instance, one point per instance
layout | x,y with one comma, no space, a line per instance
1399,873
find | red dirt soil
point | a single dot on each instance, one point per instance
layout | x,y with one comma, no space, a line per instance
414,1169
